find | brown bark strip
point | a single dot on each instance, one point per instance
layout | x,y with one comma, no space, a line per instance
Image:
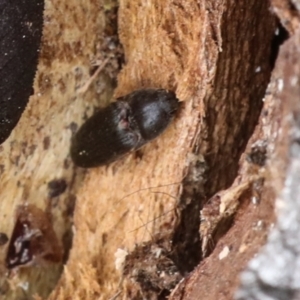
215,56
273,273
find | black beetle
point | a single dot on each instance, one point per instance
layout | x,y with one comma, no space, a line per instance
122,126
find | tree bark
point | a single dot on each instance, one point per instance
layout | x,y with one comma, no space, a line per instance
217,57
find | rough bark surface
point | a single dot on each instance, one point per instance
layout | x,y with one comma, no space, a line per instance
37,152
274,272
216,56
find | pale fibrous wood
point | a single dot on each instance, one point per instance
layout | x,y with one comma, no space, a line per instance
195,48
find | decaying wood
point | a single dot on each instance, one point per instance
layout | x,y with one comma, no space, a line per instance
273,273
37,152
247,208
216,56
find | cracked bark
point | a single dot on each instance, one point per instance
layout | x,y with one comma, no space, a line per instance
217,57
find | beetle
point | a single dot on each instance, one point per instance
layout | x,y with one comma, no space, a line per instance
124,125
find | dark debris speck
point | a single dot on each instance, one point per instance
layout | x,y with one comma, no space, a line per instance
3,239
46,142
56,187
